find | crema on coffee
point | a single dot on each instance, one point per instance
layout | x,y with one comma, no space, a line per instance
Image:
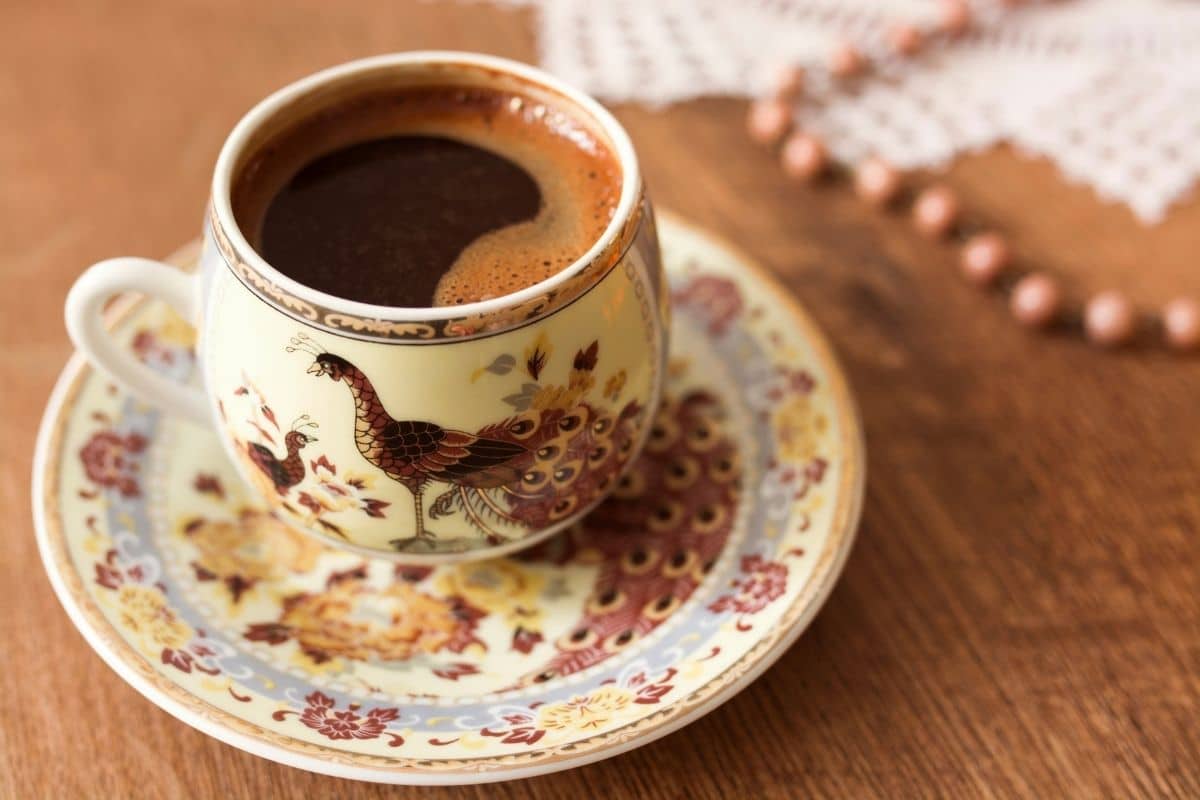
428,195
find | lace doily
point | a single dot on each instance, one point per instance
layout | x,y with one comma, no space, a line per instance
1109,90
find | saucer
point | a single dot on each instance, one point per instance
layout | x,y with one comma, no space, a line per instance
716,552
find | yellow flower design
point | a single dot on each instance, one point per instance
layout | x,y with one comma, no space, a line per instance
585,712
254,547
357,621
799,428
176,330
144,613
499,586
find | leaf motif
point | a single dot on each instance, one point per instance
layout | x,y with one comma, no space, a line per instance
269,632
269,414
178,659
537,354
523,640
535,363
524,399
310,502
319,700
455,671
586,359
329,526
384,714
206,483
203,573
374,507
108,577
502,365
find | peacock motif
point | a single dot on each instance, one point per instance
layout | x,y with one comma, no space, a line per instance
286,472
574,451
557,454
654,540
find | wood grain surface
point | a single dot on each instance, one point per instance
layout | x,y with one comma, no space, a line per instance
1021,616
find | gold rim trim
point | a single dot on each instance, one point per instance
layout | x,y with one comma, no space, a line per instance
463,328
722,687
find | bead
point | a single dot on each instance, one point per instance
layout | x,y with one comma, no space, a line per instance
935,211
954,17
905,40
846,61
984,257
1109,319
876,181
1035,300
788,82
768,120
803,156
1181,323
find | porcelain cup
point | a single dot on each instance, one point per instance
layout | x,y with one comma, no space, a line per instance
420,434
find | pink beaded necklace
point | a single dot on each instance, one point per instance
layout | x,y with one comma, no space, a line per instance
1035,298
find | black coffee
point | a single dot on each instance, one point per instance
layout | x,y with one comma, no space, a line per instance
428,196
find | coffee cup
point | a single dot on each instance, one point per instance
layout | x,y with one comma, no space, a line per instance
423,434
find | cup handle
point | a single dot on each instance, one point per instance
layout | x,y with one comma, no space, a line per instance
85,325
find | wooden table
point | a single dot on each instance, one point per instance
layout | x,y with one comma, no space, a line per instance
1021,615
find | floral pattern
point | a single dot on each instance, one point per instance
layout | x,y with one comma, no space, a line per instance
663,599
762,582
580,713
244,551
352,619
166,346
322,716
107,461
147,617
557,452
716,299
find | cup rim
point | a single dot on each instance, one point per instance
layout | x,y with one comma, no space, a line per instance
235,143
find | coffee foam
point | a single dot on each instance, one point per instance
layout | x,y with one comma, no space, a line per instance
577,174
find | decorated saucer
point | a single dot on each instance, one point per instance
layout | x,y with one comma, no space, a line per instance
716,552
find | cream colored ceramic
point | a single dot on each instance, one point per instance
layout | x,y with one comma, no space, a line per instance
469,431
716,551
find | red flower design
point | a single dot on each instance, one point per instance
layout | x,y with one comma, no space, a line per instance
321,715
764,581
718,298
106,461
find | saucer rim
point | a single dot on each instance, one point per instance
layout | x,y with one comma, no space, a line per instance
329,761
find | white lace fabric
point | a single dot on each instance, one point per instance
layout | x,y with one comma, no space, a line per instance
1109,90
